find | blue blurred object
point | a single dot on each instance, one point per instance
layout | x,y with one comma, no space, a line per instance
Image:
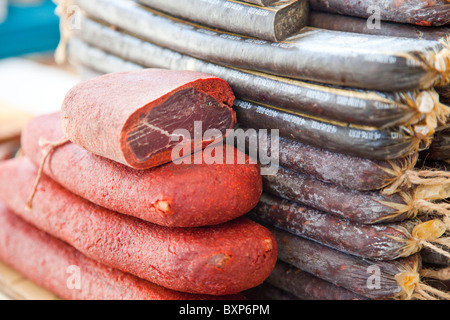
31,28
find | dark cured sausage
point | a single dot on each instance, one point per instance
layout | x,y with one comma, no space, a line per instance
418,12
434,258
130,117
306,286
337,137
372,108
47,261
266,291
156,193
346,23
273,23
376,242
218,260
347,271
405,64
340,169
368,207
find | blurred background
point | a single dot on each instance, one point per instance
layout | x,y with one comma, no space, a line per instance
31,83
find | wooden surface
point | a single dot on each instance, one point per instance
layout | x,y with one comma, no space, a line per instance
12,120
14,286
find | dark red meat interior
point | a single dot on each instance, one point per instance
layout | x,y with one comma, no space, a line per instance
153,133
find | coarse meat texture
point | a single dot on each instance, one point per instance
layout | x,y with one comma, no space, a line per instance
220,183
347,171
419,12
215,260
61,269
138,117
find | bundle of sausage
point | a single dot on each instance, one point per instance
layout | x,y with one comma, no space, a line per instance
350,134
399,94
116,177
412,19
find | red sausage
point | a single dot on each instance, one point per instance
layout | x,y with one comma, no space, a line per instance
218,260
171,195
130,117
55,266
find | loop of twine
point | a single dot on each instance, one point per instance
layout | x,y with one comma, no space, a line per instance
48,148
62,10
418,177
428,292
441,274
441,208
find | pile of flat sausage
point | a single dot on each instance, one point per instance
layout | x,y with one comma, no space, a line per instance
130,193
356,211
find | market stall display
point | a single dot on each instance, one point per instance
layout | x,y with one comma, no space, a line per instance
352,120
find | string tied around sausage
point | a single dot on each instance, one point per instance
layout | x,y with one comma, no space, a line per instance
429,233
413,286
420,202
426,234
47,149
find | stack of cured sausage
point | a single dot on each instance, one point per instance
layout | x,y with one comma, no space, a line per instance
349,206
412,19
98,208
